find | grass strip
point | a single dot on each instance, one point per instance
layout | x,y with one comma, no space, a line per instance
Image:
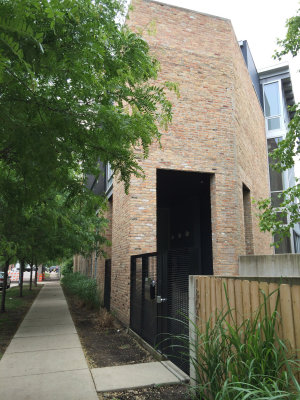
16,309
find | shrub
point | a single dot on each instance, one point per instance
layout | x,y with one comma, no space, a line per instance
106,319
67,267
84,288
242,362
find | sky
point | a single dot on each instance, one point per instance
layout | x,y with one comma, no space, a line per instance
261,23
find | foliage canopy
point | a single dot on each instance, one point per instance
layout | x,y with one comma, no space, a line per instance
272,218
76,86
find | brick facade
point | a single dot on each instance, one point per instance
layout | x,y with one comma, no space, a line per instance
218,128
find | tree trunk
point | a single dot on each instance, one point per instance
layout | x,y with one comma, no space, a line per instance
36,274
22,265
31,268
4,286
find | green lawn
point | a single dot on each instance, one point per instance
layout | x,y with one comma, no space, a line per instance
16,308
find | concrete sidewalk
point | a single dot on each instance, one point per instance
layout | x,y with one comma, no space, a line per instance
44,359
134,376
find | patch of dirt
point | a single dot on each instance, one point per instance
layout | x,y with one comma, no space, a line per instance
104,339
173,392
106,343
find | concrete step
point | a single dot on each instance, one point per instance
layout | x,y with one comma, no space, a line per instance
135,376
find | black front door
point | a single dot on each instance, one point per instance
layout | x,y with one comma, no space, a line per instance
184,248
159,281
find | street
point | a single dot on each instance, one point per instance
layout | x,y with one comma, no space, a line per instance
26,278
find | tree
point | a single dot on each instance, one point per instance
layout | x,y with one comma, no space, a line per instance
273,218
75,86
8,246
53,229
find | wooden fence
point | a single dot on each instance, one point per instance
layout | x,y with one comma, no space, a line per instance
245,295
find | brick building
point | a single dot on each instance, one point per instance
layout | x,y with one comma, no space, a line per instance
195,203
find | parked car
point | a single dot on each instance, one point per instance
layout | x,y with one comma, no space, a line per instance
2,280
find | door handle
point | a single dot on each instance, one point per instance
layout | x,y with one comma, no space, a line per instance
160,299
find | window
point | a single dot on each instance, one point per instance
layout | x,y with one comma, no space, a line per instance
272,105
277,186
109,176
276,181
247,221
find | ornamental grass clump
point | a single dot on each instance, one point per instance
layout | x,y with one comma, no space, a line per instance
84,288
244,362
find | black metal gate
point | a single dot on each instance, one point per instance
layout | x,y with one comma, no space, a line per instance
143,309
159,300
107,284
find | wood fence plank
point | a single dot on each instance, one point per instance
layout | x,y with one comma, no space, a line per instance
213,299
296,317
198,300
263,294
254,295
274,293
238,301
231,296
246,299
280,328
219,295
287,314
224,299
207,299
202,305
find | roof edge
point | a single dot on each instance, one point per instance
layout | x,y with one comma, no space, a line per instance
187,9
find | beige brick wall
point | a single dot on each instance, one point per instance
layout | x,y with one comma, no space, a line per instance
218,128
251,147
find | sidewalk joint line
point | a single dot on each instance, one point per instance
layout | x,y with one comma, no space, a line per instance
41,335
44,373
40,350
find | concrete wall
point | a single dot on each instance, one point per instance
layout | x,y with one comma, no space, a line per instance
285,265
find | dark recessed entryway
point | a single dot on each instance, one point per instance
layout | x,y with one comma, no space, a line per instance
184,247
184,215
159,281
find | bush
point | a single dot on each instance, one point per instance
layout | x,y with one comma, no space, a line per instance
84,288
67,267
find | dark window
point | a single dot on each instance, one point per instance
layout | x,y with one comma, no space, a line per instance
276,183
248,221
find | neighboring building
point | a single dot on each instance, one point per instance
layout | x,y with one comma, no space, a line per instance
273,87
193,213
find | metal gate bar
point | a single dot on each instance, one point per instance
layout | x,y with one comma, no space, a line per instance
142,308
161,319
107,284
